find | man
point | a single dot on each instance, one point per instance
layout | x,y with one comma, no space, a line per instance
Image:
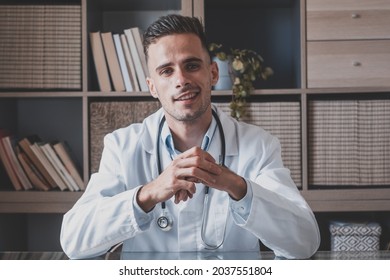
197,181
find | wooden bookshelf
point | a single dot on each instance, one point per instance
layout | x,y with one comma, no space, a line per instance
281,31
37,201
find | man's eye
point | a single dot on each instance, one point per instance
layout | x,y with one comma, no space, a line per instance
166,72
192,66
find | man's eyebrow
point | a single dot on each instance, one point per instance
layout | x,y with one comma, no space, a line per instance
162,66
193,59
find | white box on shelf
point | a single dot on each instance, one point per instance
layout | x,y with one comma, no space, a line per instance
347,236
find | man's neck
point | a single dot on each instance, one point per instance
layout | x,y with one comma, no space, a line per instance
188,134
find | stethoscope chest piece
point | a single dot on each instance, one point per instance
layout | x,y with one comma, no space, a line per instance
165,222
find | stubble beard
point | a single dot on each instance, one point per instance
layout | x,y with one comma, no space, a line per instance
191,116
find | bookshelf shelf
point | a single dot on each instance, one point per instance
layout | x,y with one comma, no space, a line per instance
275,29
37,201
40,94
118,94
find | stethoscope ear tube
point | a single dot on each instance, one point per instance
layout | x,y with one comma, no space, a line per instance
159,168
222,135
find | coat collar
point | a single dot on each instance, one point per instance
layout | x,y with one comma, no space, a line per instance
151,123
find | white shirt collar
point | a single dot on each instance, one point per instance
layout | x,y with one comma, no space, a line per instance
167,138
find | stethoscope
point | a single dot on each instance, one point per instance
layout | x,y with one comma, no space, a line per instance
165,221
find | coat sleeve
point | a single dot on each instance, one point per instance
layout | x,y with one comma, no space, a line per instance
104,215
279,215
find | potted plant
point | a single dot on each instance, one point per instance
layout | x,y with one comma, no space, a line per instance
245,67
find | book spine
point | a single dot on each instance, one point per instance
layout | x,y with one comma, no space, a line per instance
137,60
112,61
122,63
49,167
130,63
69,164
64,174
27,148
8,168
9,149
32,174
99,59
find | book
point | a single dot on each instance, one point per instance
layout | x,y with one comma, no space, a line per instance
112,61
8,145
48,166
26,143
140,48
59,167
99,59
129,63
141,75
122,62
35,177
7,164
64,154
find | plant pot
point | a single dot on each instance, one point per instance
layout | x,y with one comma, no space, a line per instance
225,75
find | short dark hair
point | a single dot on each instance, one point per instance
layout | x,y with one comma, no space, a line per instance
173,24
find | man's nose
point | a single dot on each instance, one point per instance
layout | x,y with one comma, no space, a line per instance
182,79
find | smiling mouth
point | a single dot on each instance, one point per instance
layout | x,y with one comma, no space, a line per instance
187,96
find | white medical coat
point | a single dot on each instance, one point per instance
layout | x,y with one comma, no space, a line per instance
104,215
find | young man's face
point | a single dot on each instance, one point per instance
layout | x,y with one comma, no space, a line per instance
181,76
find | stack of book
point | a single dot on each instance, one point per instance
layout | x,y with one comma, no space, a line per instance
33,164
40,46
119,60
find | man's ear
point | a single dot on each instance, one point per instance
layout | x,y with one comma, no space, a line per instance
214,71
152,88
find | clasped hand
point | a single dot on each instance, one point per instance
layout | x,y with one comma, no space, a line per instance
179,178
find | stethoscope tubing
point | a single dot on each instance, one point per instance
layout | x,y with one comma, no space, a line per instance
166,221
